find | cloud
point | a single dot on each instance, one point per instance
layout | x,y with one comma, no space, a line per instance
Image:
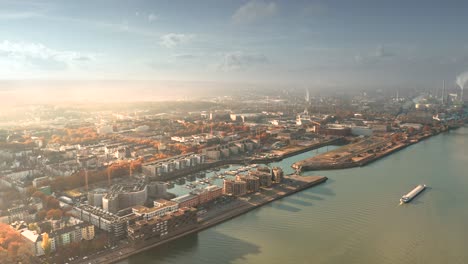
17,15
380,53
172,40
185,56
236,61
253,11
152,17
38,55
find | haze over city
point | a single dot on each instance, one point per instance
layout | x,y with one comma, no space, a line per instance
236,131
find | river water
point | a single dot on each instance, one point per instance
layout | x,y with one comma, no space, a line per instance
355,217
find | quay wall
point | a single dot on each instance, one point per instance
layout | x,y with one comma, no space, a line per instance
217,220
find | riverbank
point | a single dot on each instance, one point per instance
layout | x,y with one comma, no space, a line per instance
291,184
358,154
337,222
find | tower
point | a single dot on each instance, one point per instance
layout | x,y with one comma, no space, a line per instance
443,92
109,176
86,179
130,169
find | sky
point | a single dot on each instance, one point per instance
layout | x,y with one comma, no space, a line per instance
317,44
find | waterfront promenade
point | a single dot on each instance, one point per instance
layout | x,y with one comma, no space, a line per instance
217,214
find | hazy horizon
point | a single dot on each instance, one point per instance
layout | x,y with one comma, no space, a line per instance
314,44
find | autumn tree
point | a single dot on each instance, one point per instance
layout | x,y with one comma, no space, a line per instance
135,165
13,248
51,202
46,244
31,190
75,135
39,195
55,214
41,215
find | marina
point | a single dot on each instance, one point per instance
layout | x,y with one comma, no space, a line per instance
215,176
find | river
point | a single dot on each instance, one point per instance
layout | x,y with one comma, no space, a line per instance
355,217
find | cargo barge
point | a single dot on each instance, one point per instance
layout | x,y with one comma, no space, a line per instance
409,196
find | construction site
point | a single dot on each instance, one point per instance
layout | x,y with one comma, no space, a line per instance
352,155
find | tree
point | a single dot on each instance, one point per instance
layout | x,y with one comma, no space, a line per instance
55,214
31,190
135,165
33,227
51,202
39,195
12,247
46,244
41,215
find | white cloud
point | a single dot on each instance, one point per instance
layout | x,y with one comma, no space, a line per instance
172,40
17,15
38,55
152,17
238,60
253,11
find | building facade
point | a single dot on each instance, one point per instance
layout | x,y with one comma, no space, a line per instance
124,196
161,207
162,227
235,187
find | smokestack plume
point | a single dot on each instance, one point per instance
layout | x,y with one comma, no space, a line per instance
461,81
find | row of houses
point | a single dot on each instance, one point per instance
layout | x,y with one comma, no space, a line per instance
163,226
162,167
106,221
58,237
199,196
227,150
